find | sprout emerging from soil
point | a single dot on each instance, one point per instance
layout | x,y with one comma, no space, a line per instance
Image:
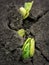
28,48
21,32
24,11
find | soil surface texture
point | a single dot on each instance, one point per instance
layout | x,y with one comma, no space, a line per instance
36,25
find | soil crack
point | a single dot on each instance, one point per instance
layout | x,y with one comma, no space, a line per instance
42,54
9,25
38,17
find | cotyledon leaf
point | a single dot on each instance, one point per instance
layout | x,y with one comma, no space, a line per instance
25,53
24,11
26,42
28,48
28,6
21,32
32,47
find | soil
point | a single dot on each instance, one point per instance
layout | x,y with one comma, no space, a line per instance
36,25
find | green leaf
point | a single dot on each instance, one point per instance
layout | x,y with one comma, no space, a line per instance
25,52
22,11
21,32
26,16
28,48
26,42
32,47
28,6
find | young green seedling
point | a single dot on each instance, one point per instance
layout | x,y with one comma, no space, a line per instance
21,32
28,48
24,11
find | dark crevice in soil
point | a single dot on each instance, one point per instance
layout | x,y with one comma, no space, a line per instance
26,24
20,46
32,35
10,25
21,59
29,35
44,57
42,54
29,21
13,51
32,60
3,45
12,28
37,48
38,17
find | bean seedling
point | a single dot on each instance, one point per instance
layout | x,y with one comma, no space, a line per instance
21,32
24,11
28,48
